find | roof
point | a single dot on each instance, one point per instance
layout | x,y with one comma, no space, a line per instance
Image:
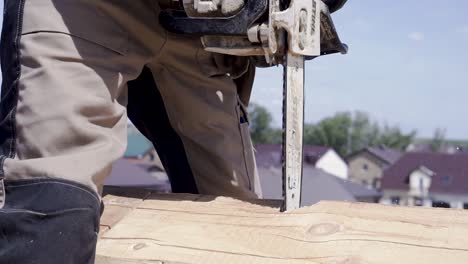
313,153
269,155
358,190
317,185
137,144
451,171
126,174
387,155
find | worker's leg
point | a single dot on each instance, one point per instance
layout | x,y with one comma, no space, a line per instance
204,109
65,64
147,112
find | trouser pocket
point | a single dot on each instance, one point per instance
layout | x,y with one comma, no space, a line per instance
246,143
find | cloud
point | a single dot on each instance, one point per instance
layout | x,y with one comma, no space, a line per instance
416,36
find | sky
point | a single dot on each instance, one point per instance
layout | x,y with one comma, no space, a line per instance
407,65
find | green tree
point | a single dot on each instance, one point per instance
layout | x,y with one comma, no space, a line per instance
347,133
393,137
363,132
260,126
438,140
332,132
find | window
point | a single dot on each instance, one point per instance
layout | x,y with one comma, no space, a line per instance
440,204
395,199
365,167
376,183
418,202
446,180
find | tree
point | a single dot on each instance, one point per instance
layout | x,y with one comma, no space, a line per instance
438,140
347,133
392,137
363,132
260,126
332,132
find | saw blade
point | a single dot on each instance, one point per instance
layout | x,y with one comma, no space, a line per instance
293,123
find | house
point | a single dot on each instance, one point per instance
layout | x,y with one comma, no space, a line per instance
141,150
137,144
366,166
324,158
427,179
126,173
426,147
317,185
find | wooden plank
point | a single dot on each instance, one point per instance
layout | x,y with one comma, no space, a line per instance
118,203
205,229
110,260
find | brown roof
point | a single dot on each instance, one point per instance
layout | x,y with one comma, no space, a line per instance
451,172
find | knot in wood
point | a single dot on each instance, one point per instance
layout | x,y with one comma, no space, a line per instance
139,246
324,229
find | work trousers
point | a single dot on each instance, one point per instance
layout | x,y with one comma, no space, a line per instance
72,72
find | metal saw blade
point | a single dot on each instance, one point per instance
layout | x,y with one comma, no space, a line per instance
293,123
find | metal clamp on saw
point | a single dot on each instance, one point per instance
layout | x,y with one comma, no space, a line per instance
283,32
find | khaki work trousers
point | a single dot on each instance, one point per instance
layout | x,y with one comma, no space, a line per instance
64,114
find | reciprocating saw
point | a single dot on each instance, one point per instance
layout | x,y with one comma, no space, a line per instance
286,32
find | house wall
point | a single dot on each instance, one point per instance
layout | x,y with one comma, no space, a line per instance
455,200
420,183
358,173
389,195
332,163
405,199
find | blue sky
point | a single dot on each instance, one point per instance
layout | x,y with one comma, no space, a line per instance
407,65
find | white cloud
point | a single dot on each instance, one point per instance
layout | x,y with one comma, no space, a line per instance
416,36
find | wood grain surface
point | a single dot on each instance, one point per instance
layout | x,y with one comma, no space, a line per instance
175,229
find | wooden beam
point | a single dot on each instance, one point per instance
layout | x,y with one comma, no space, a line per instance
212,230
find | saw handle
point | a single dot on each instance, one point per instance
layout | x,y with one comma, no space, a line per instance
237,25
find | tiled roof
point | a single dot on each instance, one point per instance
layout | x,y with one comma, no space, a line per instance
126,174
269,155
317,185
451,171
387,155
313,153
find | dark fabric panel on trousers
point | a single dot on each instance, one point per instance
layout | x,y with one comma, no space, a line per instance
9,58
48,222
147,112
